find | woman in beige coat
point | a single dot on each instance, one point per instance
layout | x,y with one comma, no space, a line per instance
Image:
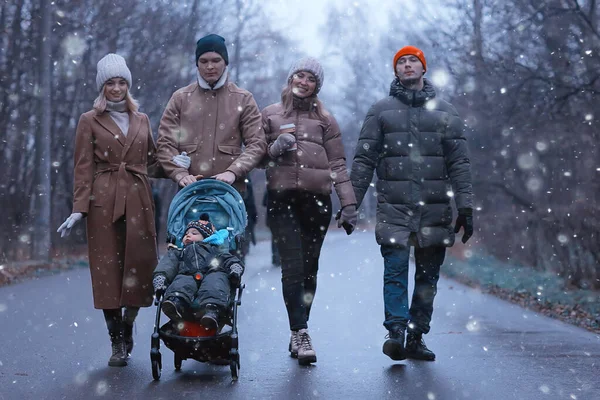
114,156
306,159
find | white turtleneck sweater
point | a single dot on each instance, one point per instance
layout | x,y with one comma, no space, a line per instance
118,112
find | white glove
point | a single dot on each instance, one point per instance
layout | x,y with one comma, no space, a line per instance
182,160
159,284
283,142
65,228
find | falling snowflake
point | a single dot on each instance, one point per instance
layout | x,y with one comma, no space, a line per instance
73,45
562,238
473,326
541,146
101,388
526,161
440,78
544,389
534,184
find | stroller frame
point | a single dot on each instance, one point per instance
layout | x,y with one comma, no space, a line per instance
225,205
223,346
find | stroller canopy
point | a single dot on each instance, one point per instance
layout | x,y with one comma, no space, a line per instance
223,204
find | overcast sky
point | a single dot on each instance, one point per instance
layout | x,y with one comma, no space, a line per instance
302,19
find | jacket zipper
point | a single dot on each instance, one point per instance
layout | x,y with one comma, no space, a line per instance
215,96
296,155
196,257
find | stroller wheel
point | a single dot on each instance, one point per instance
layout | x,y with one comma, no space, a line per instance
155,370
156,360
234,364
177,362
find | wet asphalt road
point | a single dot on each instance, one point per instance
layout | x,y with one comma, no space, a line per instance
55,345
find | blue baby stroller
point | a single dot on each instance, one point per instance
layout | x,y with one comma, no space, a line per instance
227,211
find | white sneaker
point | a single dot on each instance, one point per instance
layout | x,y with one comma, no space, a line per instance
306,353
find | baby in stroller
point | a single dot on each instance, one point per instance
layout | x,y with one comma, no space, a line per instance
196,280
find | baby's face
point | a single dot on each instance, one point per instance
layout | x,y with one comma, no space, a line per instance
192,235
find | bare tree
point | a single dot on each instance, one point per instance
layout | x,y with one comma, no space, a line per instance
160,53
42,146
527,83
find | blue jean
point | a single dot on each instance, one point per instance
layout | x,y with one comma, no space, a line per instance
395,286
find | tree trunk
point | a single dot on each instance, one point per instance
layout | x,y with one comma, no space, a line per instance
42,191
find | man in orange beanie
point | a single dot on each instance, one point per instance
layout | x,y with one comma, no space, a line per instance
417,145
410,66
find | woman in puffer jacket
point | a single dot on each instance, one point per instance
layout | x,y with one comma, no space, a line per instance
306,157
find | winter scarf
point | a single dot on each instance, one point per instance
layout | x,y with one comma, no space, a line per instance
118,113
218,238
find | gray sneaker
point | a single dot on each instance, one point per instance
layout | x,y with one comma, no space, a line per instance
306,353
293,347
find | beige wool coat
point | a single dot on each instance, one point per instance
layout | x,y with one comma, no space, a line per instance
111,186
211,126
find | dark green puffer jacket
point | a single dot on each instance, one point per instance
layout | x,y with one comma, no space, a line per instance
417,145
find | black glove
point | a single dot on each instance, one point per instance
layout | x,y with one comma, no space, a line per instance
347,218
464,220
159,284
235,274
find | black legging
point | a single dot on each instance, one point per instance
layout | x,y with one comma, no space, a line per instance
299,222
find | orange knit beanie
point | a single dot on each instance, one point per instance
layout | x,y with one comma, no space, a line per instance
413,51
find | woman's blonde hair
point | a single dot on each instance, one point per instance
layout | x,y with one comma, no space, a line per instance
316,106
100,102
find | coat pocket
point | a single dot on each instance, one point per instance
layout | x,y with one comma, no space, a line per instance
188,148
229,149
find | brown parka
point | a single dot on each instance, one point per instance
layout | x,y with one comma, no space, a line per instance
211,126
111,186
319,160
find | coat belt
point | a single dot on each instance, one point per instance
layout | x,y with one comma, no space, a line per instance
124,174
